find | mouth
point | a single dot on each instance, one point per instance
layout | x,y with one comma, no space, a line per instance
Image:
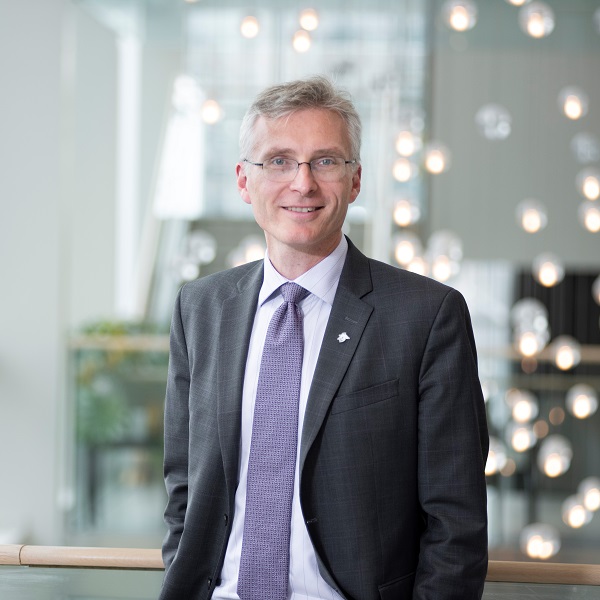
304,209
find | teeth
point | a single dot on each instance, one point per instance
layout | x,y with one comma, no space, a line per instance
301,210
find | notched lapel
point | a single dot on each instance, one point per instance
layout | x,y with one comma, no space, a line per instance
237,318
349,315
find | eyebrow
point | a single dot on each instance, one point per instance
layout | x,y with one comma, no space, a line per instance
317,153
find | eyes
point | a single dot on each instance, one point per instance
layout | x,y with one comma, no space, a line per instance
280,162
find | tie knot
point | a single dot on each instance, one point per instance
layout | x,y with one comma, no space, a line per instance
292,292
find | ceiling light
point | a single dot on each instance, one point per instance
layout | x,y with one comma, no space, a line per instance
539,540
573,102
566,352
407,143
531,215
301,41
437,158
548,269
588,183
309,19
493,122
211,112
404,170
406,212
460,15
554,455
537,19
574,512
582,401
249,27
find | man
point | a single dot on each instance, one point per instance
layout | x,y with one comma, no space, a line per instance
376,489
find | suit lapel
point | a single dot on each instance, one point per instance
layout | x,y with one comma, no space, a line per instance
349,315
237,318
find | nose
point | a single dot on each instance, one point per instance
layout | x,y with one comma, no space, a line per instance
304,182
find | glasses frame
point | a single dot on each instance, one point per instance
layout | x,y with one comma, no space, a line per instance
309,163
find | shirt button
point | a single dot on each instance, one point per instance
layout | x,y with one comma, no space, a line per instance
226,519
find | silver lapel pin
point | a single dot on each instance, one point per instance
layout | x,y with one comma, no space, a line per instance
343,337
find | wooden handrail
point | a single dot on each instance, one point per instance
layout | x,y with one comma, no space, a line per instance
92,558
150,559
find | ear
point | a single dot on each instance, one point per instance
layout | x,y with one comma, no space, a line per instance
242,183
355,184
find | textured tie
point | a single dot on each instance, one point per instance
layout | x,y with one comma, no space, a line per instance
265,560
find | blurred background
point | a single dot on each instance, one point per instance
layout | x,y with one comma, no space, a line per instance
118,140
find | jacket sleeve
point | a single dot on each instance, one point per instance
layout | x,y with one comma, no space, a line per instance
452,449
176,437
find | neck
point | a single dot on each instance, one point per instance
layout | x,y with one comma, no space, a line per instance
292,263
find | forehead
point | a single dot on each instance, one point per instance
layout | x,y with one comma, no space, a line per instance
304,132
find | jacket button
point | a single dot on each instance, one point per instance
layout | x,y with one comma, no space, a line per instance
226,519
209,582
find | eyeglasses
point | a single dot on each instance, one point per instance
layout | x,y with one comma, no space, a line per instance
283,170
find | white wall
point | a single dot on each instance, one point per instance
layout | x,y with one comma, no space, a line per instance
31,270
57,212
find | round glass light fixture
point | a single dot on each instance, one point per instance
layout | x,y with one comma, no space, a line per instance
460,15
554,455
493,122
596,290
537,19
539,540
589,490
407,143
588,183
531,215
523,404
566,352
548,269
301,41
407,246
585,148
509,468
249,27
582,401
404,170
541,429
521,437
589,216
444,253
496,459
573,102
518,2
530,323
556,416
574,512
309,19
437,158
406,212
211,112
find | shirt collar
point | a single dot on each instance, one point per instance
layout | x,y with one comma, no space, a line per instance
321,280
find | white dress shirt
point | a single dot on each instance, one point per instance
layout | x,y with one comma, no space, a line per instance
321,281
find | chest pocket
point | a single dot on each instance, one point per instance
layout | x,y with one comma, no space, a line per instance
365,397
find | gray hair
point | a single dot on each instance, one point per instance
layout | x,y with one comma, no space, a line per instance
284,99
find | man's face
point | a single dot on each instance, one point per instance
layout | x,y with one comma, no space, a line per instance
304,136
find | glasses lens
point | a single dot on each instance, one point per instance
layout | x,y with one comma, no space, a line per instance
323,169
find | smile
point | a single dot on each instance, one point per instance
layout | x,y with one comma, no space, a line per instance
301,210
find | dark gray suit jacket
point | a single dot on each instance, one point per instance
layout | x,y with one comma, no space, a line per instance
392,483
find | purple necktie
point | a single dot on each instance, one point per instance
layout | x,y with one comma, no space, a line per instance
265,560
